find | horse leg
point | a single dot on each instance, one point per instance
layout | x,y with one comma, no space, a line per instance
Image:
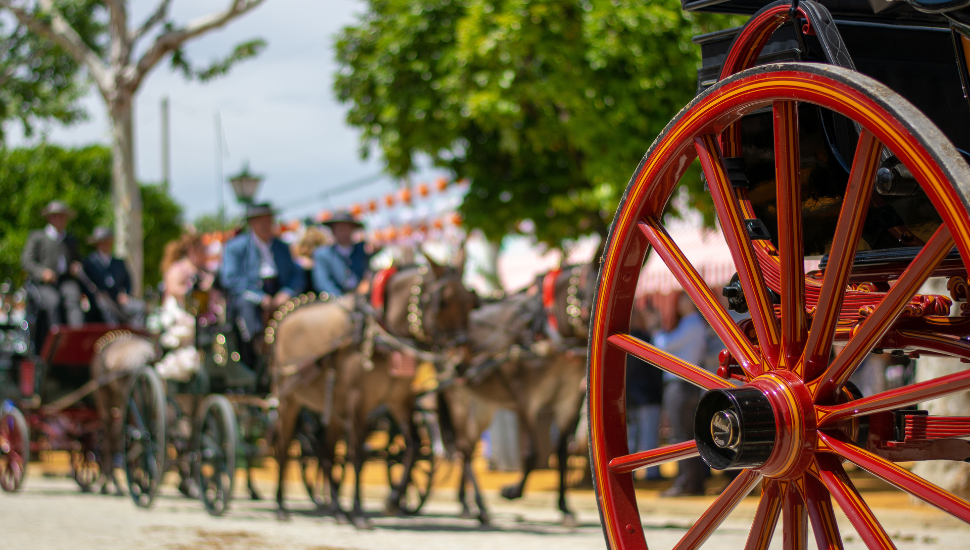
288,413
466,512
253,495
328,461
483,517
356,433
411,438
562,453
528,453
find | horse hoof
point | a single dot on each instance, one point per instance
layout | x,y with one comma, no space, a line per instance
484,520
361,523
341,519
283,515
569,521
253,495
391,509
465,514
511,492
104,489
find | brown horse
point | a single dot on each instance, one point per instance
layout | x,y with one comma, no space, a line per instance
343,359
116,353
530,358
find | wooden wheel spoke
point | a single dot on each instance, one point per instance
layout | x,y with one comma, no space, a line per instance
790,241
822,515
654,457
895,399
705,526
851,503
712,310
765,518
879,321
736,234
847,233
663,360
795,519
903,479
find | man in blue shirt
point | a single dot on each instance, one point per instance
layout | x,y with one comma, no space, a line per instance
688,342
339,268
259,275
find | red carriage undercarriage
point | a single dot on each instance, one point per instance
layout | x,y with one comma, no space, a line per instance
802,159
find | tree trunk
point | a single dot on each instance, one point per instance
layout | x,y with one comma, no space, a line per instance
952,476
126,195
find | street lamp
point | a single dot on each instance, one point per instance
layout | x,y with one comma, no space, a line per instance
245,185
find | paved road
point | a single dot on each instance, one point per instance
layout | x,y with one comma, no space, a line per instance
51,514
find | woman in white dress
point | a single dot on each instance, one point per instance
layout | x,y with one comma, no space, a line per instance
182,270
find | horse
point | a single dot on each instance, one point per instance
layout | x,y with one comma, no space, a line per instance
343,358
530,358
116,354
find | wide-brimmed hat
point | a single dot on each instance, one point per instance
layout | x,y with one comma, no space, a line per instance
57,207
261,209
100,234
343,217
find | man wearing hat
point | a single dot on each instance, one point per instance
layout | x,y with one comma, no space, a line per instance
50,260
259,274
109,277
340,267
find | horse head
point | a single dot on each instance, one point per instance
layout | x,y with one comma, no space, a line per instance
567,296
429,304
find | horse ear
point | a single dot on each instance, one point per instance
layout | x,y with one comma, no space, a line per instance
438,269
460,257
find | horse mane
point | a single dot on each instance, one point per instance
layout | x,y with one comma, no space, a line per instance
289,307
111,336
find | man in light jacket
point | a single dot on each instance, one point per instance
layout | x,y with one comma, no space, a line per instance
50,259
339,268
259,275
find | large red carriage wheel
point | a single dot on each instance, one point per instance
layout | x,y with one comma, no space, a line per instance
786,371
14,448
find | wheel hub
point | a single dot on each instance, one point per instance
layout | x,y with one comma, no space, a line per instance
764,425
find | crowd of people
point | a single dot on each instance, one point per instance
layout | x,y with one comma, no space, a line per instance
258,273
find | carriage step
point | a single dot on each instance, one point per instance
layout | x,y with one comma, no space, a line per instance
915,425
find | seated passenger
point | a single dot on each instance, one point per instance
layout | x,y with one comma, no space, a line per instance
339,268
109,276
182,270
50,260
259,275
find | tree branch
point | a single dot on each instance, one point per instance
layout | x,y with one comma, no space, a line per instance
160,15
171,40
120,51
61,32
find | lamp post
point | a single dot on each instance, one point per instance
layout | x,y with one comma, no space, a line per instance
245,185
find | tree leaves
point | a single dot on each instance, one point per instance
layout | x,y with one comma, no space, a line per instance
547,107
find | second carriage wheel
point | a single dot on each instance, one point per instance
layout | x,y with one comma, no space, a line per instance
14,448
424,472
787,420
144,436
214,453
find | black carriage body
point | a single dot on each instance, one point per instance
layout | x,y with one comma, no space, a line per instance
910,52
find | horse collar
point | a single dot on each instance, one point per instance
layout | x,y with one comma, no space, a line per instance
549,298
378,293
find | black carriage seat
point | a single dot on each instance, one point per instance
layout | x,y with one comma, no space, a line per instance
853,10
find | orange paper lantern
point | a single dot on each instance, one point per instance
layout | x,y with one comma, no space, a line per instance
324,216
390,200
438,223
356,209
372,205
440,184
455,218
423,189
406,195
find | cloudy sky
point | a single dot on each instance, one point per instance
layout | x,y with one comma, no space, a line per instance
278,111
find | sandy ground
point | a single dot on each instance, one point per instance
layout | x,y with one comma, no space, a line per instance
50,513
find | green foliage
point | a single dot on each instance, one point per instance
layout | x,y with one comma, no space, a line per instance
219,67
30,178
546,106
162,220
207,223
39,81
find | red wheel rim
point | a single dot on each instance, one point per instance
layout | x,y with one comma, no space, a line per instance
788,361
13,450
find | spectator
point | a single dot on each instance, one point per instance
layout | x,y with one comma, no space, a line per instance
313,238
644,393
110,277
687,342
50,259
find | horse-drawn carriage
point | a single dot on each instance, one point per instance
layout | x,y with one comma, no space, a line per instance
837,135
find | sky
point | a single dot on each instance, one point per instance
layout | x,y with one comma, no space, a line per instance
277,111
